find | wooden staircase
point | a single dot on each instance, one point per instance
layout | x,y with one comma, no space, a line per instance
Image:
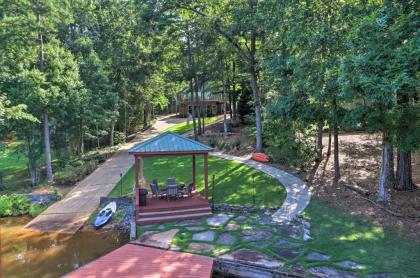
159,211
172,215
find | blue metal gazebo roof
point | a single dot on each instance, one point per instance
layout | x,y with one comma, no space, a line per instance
169,142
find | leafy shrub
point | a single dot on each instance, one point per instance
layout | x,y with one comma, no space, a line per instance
70,174
118,215
67,176
119,137
13,205
100,158
287,145
213,141
77,163
236,143
220,144
34,210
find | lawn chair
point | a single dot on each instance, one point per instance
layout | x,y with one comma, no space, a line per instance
187,190
156,192
170,181
172,192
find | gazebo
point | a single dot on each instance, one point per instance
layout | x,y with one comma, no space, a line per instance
158,210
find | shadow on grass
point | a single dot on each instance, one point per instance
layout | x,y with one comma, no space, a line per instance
347,237
234,183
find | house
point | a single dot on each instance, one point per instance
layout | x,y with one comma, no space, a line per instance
209,102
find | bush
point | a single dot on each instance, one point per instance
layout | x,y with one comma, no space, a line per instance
220,144
237,143
70,174
100,158
213,141
119,138
288,144
34,211
77,163
67,176
13,205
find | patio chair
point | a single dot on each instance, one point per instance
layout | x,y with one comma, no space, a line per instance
170,181
156,192
187,190
172,192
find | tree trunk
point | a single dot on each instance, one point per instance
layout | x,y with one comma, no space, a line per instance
319,140
111,133
145,116
386,173
190,64
337,174
33,168
224,112
68,143
329,141
47,148
125,115
204,108
234,98
193,111
46,127
81,143
404,181
198,106
229,94
255,93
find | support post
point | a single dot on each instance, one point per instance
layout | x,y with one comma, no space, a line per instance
193,168
206,177
142,183
136,176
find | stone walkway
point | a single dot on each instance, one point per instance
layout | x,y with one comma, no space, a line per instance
69,214
298,194
248,238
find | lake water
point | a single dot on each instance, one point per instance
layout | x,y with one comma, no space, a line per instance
30,254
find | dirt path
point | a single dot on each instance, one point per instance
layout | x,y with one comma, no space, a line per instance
69,214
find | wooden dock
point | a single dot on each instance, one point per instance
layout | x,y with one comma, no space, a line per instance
138,261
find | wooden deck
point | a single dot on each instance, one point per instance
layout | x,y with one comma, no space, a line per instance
162,210
139,261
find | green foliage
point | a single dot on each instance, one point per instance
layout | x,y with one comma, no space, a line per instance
119,138
70,175
35,210
118,215
381,67
287,143
13,205
245,104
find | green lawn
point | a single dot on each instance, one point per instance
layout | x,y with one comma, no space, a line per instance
182,128
347,237
233,181
334,233
13,165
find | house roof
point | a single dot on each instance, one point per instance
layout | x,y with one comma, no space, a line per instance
169,142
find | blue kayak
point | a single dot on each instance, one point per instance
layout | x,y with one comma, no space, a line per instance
105,215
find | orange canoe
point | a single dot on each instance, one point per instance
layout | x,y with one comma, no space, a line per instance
260,157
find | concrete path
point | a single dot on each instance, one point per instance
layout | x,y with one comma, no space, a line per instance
298,194
69,214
